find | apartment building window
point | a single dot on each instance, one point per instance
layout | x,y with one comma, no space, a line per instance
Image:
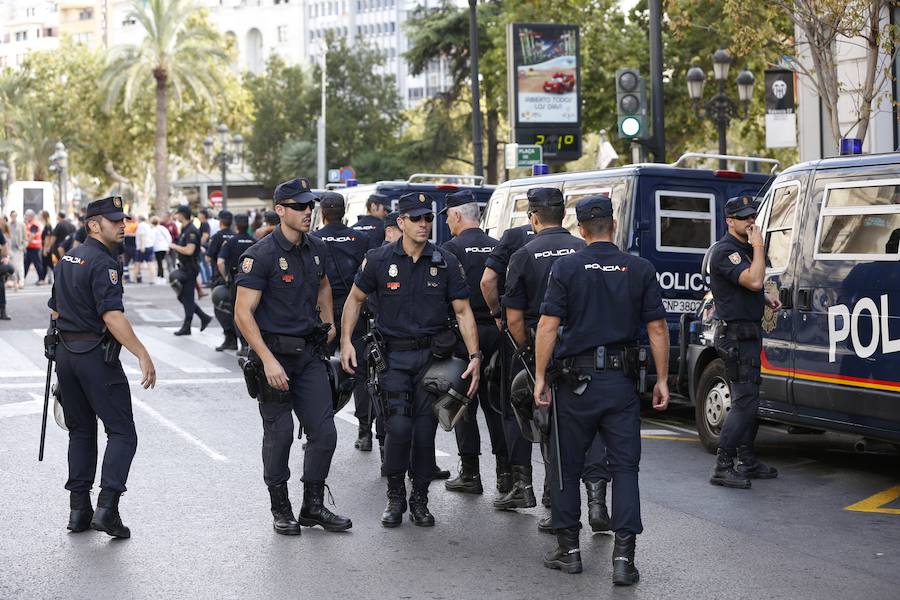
30,12
282,33
21,36
393,26
86,14
83,38
415,93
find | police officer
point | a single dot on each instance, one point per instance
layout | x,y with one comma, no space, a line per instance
224,317
601,296
372,224
86,303
347,249
6,270
188,249
415,285
392,231
472,246
227,262
281,282
737,269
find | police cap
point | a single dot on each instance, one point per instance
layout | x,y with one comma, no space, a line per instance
377,198
593,207
110,208
271,218
185,210
331,200
294,189
545,197
390,219
414,204
741,206
459,198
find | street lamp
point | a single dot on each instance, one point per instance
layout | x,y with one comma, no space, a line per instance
228,152
720,108
59,163
4,173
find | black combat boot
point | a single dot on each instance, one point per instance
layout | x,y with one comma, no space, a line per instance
545,525
418,504
381,454
396,502
522,493
504,474
185,328
282,513
364,438
106,518
439,473
566,556
230,343
751,467
313,511
724,473
205,320
624,571
80,512
598,515
3,315
469,480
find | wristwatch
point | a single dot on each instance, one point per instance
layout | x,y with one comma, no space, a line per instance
497,313
479,355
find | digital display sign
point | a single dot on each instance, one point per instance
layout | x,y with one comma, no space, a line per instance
558,144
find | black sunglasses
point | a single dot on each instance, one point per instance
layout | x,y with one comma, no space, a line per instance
299,206
429,217
744,218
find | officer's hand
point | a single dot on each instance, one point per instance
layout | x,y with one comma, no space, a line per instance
275,374
542,396
474,371
660,395
348,358
331,333
773,303
754,235
148,371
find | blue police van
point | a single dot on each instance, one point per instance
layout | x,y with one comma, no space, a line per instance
669,214
436,185
831,355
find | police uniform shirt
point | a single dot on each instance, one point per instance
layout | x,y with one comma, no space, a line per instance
510,241
289,277
413,299
81,234
189,235
603,296
729,258
346,248
232,250
216,242
472,247
372,227
529,267
87,283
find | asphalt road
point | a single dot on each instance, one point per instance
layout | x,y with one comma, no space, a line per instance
201,526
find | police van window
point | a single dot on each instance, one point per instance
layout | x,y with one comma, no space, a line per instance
492,212
779,225
685,221
860,221
570,221
519,199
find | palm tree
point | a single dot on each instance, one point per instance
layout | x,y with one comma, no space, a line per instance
179,54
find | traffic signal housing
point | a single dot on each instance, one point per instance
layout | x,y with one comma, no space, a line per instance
631,104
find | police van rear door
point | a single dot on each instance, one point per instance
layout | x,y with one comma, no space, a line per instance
847,324
619,189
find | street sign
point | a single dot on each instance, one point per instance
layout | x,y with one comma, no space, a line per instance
347,173
215,199
334,175
523,155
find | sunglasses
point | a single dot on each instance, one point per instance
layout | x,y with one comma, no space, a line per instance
429,217
299,206
744,218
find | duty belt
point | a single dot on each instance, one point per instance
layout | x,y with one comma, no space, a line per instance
80,336
600,358
284,344
401,345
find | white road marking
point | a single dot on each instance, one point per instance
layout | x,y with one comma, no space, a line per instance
17,409
670,426
16,364
129,370
157,315
657,432
209,338
169,354
178,430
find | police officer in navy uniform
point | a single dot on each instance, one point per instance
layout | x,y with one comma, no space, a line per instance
282,285
472,246
216,242
347,249
372,224
416,285
737,269
86,303
228,259
188,249
602,297
392,231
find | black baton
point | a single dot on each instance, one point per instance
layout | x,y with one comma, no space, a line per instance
46,404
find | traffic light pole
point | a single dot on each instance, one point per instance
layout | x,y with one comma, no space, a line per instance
656,78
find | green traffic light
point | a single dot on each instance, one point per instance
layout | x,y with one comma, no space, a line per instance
630,127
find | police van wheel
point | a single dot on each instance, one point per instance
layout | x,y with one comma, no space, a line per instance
712,404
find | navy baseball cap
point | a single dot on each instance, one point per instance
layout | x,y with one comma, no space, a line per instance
458,199
377,198
593,207
544,197
294,189
390,219
331,200
741,206
110,208
184,209
414,204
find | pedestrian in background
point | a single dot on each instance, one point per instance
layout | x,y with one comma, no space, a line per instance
47,258
161,240
129,250
144,253
168,221
16,249
33,247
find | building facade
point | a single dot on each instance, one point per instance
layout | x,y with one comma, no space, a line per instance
27,26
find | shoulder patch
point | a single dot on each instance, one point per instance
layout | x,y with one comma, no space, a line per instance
114,276
735,258
247,265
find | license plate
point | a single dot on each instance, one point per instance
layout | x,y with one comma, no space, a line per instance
681,305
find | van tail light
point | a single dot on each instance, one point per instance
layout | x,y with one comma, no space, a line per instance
447,186
728,174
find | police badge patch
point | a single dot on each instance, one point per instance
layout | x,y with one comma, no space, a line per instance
433,271
282,262
247,265
113,276
117,202
735,258
393,271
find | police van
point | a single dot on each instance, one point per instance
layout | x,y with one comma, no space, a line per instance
436,185
831,355
669,214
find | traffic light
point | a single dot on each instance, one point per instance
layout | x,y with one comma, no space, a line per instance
631,104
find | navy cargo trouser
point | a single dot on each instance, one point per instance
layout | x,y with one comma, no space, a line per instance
361,402
468,437
610,406
90,388
310,399
410,423
739,345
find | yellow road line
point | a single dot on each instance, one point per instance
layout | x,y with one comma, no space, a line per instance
674,438
876,503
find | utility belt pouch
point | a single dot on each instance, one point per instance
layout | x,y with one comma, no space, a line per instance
51,341
285,344
742,331
567,373
443,343
265,393
251,379
111,348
